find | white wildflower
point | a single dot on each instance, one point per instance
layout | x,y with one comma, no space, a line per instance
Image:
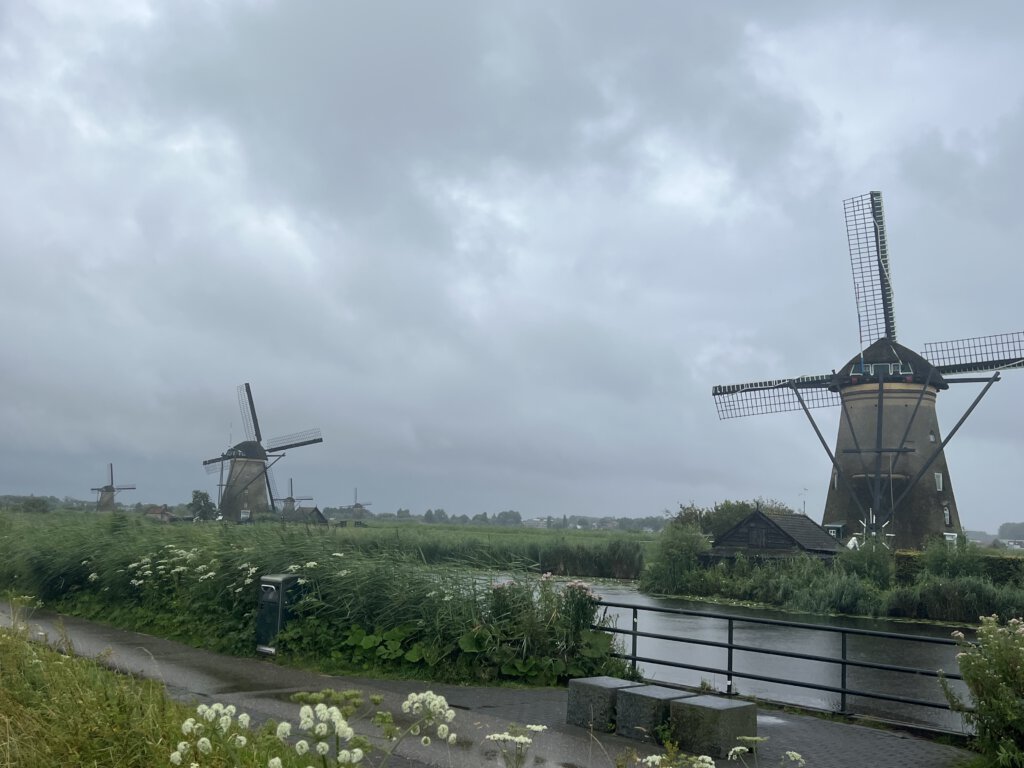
284,730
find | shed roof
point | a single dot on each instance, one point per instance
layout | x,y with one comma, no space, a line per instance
806,534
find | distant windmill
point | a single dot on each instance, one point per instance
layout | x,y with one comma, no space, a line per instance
889,438
106,493
288,503
357,508
249,491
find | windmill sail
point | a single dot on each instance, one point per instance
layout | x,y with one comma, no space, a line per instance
774,396
869,260
982,353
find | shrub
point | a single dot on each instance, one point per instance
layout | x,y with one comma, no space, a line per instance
993,669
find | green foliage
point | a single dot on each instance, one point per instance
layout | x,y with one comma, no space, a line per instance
993,669
677,556
871,562
383,612
63,710
961,559
201,507
35,505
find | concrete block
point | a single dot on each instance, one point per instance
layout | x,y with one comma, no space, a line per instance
710,725
640,711
592,701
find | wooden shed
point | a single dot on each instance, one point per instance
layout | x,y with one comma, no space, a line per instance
768,535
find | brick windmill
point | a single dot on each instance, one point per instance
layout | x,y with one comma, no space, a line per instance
249,490
889,478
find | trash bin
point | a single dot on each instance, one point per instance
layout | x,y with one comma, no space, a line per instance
278,592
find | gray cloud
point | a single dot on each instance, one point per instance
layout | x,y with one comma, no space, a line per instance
499,254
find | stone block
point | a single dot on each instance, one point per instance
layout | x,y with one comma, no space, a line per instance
710,725
640,711
592,701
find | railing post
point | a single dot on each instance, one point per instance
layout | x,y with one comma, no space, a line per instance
635,624
842,683
728,680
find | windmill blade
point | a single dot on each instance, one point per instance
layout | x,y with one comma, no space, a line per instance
248,409
110,467
774,396
982,353
869,260
271,488
213,465
124,487
308,437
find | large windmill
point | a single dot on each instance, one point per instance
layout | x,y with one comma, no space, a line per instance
106,493
889,472
248,492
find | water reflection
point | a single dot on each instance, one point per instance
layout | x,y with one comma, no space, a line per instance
889,651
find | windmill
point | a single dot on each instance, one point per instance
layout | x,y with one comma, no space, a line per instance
357,510
889,473
249,490
106,493
288,503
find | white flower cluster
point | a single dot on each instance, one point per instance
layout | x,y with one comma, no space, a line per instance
220,718
518,739
431,708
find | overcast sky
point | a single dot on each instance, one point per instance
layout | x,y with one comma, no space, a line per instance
498,252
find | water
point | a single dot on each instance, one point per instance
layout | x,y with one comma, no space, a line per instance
829,644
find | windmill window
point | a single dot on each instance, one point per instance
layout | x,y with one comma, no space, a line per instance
835,480
938,481
931,437
945,514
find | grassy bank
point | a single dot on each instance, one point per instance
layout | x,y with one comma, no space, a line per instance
362,608
944,583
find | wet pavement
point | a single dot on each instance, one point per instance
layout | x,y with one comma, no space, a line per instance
262,688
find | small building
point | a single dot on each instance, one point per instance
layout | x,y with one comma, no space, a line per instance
304,515
764,535
161,514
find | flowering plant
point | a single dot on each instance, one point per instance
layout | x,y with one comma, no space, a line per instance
993,669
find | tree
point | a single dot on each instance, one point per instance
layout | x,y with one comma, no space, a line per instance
508,517
481,518
428,516
403,514
1011,531
201,507
35,505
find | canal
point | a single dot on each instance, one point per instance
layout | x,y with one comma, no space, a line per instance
899,652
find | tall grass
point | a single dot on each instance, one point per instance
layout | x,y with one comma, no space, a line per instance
383,610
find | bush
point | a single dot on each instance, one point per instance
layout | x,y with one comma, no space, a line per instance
993,669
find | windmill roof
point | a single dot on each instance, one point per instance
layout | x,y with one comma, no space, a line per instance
248,449
886,352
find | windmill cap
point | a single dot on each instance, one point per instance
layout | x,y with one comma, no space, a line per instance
897,364
248,449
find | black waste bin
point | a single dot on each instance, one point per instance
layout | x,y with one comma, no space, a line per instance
278,592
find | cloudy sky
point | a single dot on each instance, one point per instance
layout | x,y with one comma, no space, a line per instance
498,252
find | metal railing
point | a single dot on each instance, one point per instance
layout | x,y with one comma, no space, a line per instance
731,673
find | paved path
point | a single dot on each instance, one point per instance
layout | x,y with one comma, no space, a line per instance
261,688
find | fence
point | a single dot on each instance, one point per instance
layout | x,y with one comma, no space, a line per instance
842,661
